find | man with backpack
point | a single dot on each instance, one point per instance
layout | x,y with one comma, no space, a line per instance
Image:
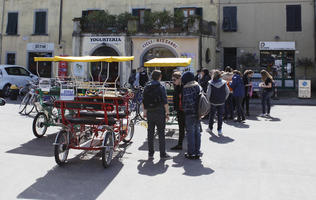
156,111
190,105
217,93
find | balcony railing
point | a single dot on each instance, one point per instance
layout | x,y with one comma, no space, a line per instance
127,24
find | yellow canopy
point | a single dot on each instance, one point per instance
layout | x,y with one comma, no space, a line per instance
168,62
86,58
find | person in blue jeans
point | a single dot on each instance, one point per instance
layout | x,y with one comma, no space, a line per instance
267,91
191,91
238,94
217,93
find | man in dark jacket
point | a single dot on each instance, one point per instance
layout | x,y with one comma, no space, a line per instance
157,111
205,79
217,93
190,100
143,77
238,94
177,104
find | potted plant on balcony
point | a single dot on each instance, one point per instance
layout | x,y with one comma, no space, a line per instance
178,19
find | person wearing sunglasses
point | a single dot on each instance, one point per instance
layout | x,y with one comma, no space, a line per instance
177,97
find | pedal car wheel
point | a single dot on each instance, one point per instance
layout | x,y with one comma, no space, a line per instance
40,124
61,148
130,132
108,149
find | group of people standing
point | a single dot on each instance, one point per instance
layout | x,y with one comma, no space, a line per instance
226,92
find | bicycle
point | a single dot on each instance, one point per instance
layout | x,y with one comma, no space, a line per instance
28,103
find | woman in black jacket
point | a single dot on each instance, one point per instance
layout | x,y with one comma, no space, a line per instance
205,79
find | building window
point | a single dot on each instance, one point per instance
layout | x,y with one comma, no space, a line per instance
10,58
140,13
40,23
229,19
12,25
88,12
187,12
293,18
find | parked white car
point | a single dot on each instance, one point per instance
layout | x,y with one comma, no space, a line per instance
14,74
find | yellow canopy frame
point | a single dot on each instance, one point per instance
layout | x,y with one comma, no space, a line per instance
168,62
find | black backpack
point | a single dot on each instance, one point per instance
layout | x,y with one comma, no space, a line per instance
152,97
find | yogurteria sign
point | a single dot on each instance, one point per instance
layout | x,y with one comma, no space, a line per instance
94,40
160,41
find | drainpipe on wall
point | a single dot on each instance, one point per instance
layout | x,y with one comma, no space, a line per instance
60,22
315,29
2,21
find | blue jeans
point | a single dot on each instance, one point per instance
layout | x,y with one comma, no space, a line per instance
265,100
192,126
219,110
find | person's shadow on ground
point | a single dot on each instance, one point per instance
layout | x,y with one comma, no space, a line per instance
149,168
220,139
191,167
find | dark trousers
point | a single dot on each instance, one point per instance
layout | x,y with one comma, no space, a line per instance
240,112
220,111
266,100
181,123
229,108
246,101
156,119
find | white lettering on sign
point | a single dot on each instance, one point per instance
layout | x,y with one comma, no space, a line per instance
94,40
160,41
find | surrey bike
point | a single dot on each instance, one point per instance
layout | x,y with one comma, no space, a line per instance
96,121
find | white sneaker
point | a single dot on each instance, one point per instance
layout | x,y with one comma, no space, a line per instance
220,132
268,115
262,115
209,130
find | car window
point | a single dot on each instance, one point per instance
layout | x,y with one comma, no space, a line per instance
23,72
13,71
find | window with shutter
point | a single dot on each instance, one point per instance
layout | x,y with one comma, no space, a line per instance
40,23
11,58
229,19
293,18
12,25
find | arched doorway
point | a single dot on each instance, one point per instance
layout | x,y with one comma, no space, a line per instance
96,67
160,52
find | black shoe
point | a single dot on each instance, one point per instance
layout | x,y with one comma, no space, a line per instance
224,118
165,157
243,119
231,118
150,156
189,156
177,147
248,114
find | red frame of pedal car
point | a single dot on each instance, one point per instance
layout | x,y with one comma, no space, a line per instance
105,107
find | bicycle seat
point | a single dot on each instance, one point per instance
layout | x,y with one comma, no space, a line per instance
90,121
48,103
101,114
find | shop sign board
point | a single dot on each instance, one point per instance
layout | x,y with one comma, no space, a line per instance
164,41
67,94
38,47
111,40
304,88
263,45
44,84
78,69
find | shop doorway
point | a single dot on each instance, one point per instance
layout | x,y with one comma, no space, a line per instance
281,65
96,66
160,52
44,68
230,57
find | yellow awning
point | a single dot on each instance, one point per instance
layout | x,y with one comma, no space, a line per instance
86,58
51,59
168,62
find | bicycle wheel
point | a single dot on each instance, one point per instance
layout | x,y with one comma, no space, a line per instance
61,147
108,149
23,103
29,105
40,124
130,132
